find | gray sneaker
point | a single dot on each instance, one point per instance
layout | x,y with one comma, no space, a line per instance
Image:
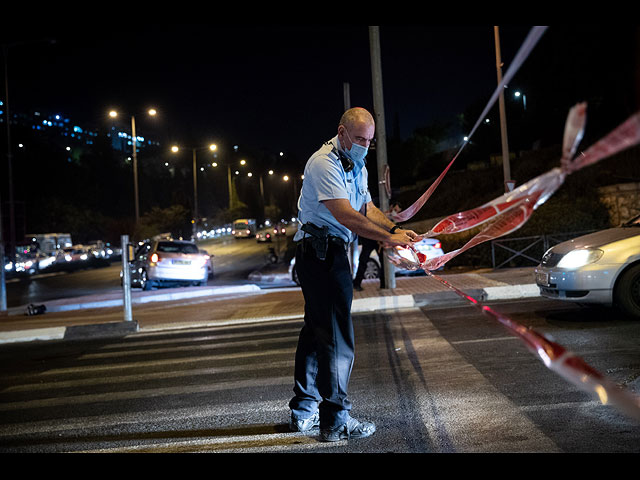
304,424
352,429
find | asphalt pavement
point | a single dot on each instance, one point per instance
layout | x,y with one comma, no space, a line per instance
262,300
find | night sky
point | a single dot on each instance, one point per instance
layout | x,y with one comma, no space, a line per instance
280,87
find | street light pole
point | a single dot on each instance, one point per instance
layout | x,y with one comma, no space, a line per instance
195,196
12,222
3,288
213,147
134,142
506,167
12,229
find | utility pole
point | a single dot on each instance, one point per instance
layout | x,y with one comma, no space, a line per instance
134,143
506,167
381,139
194,230
346,93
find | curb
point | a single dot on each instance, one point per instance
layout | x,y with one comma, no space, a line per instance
116,300
359,305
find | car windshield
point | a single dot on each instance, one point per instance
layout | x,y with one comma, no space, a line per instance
634,222
172,247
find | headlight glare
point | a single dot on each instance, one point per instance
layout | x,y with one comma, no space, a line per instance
580,258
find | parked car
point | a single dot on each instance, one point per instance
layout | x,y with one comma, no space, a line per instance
431,247
598,268
168,263
209,258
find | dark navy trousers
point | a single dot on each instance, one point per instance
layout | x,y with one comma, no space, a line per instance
325,352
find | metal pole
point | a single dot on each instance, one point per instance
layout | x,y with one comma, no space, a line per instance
506,168
346,93
12,221
126,278
353,248
3,285
229,186
381,139
195,196
262,197
134,142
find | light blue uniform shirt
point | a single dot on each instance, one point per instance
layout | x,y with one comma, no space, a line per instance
325,179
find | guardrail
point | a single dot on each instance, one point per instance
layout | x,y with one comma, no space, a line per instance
528,249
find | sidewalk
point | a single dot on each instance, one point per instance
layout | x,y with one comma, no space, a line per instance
102,316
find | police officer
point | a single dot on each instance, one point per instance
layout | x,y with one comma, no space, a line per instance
334,192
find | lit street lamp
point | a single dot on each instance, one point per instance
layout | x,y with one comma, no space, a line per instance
212,147
134,144
229,180
519,94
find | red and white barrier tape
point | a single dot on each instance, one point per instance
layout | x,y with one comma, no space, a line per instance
558,359
508,213
511,211
527,46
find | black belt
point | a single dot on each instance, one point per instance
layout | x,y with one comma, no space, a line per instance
332,239
338,241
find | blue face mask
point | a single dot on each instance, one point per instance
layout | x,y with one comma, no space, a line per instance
357,154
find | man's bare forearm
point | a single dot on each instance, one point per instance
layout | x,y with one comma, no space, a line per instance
376,216
361,225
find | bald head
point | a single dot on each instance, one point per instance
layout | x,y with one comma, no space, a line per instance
356,126
357,116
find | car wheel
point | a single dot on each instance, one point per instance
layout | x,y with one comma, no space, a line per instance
294,276
627,291
373,270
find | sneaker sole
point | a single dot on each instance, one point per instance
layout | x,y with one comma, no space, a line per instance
339,436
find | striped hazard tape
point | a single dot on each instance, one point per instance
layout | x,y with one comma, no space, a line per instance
563,362
511,211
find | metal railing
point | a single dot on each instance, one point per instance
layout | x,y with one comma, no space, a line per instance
524,247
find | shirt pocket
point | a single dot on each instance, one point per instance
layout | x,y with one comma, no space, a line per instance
352,190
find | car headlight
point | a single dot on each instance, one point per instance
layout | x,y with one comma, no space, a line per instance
580,258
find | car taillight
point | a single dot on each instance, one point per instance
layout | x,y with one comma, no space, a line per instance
437,245
202,261
155,258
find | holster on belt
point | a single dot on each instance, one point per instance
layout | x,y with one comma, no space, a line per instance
318,239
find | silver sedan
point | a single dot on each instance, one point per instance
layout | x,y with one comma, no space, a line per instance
598,268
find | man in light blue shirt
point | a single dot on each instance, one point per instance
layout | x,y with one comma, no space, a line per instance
326,179
334,207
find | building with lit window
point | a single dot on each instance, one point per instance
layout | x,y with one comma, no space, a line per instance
59,125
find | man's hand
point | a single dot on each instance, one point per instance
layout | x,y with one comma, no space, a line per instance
414,236
341,209
403,237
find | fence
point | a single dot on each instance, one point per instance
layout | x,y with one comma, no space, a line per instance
524,250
